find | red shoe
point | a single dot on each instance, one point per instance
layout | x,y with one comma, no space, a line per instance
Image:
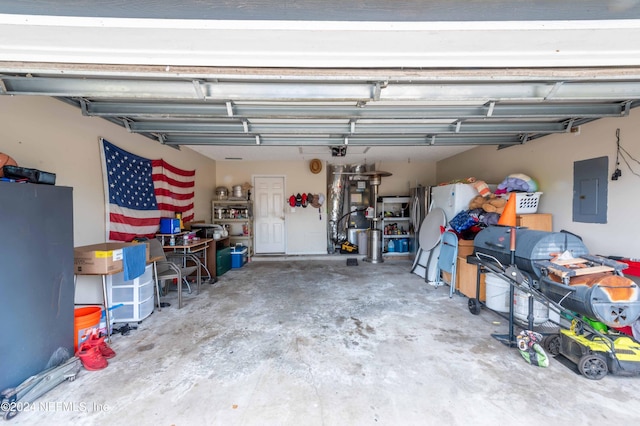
91,357
104,349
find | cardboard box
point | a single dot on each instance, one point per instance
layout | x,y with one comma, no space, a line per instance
103,258
466,279
465,248
536,221
148,250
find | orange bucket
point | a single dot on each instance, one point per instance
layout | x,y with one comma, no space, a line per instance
86,319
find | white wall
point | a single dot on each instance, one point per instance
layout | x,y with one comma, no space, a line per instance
306,232
47,134
405,175
550,161
44,133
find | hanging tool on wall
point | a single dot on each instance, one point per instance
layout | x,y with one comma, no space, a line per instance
617,172
626,156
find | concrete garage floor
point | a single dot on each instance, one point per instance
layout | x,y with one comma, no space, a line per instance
316,342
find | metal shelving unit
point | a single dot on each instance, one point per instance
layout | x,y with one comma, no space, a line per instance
395,211
237,215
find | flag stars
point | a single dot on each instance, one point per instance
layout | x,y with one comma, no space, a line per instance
129,179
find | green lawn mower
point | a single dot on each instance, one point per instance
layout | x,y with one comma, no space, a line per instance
594,353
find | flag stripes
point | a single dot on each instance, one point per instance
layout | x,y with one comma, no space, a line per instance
139,191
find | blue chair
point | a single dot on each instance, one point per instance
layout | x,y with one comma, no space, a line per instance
447,260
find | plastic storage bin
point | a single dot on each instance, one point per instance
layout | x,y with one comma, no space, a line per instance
238,256
169,226
223,260
136,296
133,312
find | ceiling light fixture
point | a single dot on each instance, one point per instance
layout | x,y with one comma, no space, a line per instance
338,151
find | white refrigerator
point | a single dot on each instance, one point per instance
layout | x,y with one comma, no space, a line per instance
452,198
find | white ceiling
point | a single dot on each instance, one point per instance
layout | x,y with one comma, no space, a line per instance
270,80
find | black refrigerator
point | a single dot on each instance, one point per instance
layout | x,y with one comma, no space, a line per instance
36,279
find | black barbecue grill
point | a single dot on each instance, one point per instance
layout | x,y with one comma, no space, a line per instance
531,246
534,251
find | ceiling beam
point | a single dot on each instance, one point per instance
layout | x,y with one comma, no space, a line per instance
429,140
306,91
399,127
136,109
323,109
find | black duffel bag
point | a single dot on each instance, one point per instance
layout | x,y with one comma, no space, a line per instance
29,175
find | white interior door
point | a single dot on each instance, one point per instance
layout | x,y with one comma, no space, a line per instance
269,214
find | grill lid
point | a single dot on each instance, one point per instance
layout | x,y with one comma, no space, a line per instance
531,245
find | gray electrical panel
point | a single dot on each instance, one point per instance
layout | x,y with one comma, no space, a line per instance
590,190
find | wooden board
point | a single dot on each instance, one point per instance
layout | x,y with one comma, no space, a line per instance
565,268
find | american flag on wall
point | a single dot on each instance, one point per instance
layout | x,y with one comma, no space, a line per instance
140,191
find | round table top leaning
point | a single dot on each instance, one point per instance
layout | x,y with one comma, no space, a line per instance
430,230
